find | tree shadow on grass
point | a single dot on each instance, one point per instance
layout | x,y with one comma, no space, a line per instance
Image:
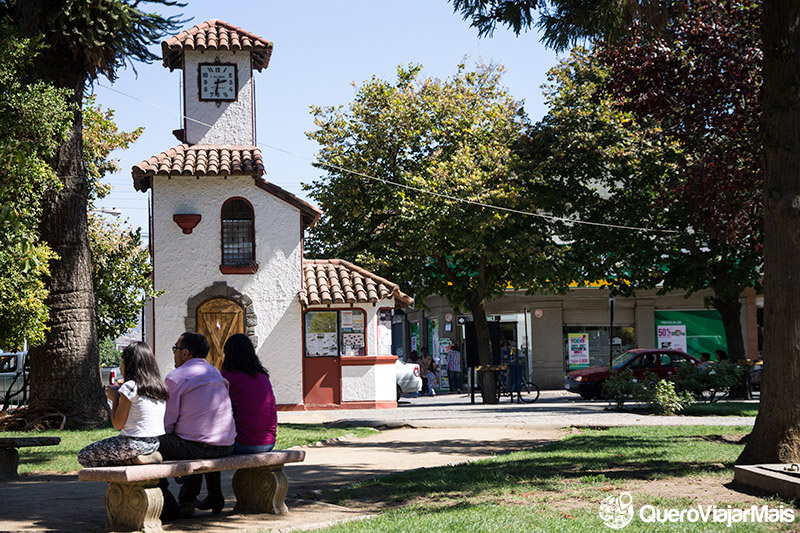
583,458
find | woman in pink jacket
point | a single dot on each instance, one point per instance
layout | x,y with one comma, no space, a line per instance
254,410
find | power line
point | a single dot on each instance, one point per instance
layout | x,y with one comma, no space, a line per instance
403,186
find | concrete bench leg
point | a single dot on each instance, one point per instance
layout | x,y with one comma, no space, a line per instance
9,461
134,507
261,490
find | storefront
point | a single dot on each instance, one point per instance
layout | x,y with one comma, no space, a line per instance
538,329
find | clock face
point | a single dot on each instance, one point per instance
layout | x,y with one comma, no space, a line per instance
217,81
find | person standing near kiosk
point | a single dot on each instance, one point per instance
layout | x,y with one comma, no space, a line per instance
454,368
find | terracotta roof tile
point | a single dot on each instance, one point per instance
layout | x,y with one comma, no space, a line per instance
215,35
217,160
335,281
199,160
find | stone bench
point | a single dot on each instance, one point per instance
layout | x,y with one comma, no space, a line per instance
134,502
9,456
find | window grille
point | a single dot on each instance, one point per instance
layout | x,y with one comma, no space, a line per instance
238,242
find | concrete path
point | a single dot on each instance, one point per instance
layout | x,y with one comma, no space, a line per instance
423,432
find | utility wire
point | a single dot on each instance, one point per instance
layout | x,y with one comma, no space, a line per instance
401,185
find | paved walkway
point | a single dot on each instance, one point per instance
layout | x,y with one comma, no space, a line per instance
426,432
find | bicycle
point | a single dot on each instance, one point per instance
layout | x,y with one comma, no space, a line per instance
511,382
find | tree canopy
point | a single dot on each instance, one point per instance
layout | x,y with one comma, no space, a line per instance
33,121
81,40
565,23
120,263
424,160
611,163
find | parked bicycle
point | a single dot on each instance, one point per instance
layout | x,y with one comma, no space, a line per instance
510,382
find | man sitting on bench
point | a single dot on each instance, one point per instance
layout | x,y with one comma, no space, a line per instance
198,421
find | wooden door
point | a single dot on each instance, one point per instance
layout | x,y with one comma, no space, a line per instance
218,319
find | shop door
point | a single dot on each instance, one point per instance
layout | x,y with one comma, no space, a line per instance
322,378
218,319
321,381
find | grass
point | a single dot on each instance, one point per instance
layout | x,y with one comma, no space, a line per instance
721,409
559,486
62,458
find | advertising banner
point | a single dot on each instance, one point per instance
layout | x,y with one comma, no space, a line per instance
672,337
704,329
578,347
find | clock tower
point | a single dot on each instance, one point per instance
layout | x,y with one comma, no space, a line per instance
217,60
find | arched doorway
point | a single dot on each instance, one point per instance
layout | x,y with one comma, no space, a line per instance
218,319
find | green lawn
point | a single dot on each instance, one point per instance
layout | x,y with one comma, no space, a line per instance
62,458
559,487
727,408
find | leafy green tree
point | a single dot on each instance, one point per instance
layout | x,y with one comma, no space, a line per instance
81,40
775,434
647,131
109,355
121,275
33,121
121,266
564,23
439,151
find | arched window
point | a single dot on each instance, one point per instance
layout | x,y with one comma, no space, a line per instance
238,233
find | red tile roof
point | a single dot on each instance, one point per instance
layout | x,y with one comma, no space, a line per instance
199,160
216,160
335,281
215,35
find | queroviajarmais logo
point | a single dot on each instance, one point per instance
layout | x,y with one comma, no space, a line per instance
617,511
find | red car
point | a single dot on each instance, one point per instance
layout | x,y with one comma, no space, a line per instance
588,382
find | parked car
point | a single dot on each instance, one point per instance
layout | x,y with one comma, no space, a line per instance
13,371
110,375
588,382
755,375
14,368
408,378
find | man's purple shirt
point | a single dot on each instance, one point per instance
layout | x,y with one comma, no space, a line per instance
199,408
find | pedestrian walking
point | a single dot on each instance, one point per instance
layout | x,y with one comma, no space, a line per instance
454,368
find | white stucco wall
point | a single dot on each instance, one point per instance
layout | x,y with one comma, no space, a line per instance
364,383
185,265
369,382
232,122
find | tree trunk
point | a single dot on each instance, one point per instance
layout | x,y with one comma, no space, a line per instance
65,370
488,379
730,308
776,433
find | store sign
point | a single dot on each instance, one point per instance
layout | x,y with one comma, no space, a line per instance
672,337
578,349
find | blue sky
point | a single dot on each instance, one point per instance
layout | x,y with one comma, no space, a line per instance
320,48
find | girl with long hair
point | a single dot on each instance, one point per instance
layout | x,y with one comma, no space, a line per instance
254,410
137,410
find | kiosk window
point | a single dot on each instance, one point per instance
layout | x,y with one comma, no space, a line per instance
335,333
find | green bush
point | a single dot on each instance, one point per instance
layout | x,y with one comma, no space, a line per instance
659,395
109,355
716,379
644,389
666,401
619,387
